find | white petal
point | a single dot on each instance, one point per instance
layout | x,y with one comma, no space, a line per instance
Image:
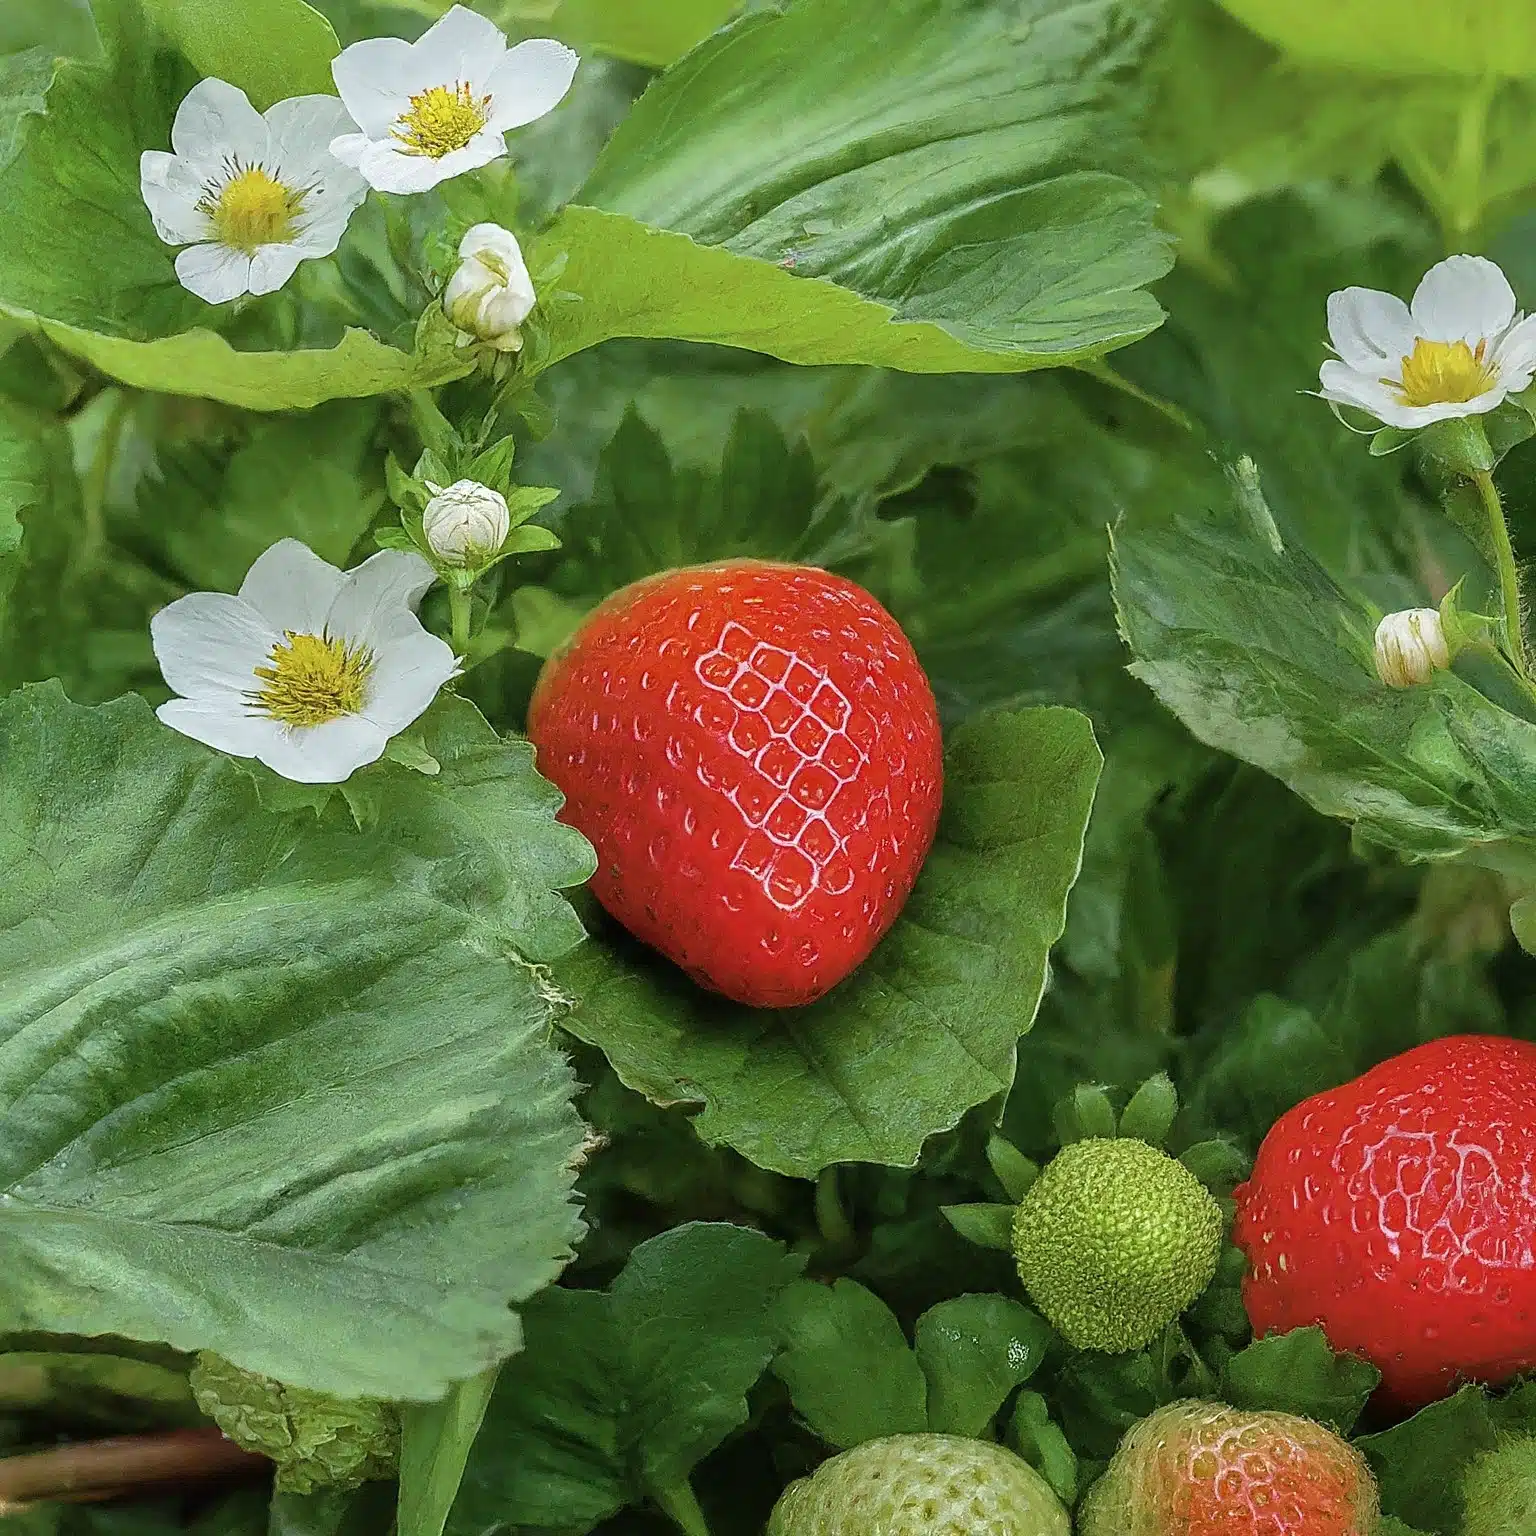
389,170
214,272
375,78
302,129
226,727
407,675
1463,298
349,147
378,600
273,265
171,191
1515,356
215,122
209,645
324,754
292,587
1346,387
463,46
1370,330
530,81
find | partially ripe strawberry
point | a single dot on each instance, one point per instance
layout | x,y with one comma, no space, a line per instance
1399,1212
1204,1469
754,752
921,1485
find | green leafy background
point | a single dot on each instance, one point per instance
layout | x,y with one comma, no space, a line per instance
358,1090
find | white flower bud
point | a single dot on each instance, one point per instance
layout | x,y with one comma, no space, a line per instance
491,294
1410,647
467,523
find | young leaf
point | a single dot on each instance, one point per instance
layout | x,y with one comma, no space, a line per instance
975,1350
928,1025
620,1393
850,1372
259,1098
1297,1372
271,49
1152,1110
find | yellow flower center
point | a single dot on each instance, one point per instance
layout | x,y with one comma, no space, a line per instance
312,679
442,119
252,208
1442,372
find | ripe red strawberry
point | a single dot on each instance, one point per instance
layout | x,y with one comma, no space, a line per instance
1399,1212
754,752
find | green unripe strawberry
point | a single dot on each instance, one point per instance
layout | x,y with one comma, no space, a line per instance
1113,1241
317,1441
1500,1491
921,1485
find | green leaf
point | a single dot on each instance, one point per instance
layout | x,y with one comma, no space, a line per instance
911,184
620,1393
1263,655
1152,1110
83,265
34,462
435,1443
850,1372
975,1350
1297,1372
653,32
255,1097
988,1226
271,49
1042,1444
24,81
1419,1464
928,1025
1399,36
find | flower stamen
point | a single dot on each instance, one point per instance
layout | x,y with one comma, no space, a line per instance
1441,372
312,679
442,119
252,208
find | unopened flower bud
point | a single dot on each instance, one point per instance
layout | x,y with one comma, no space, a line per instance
491,294
1410,647
465,524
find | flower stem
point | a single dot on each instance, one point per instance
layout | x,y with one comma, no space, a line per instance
1504,561
96,1469
681,1505
831,1219
459,609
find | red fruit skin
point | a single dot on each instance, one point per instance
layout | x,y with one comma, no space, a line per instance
1399,1212
754,752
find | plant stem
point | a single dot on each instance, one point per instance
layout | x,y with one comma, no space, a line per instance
831,1219
681,1506
459,610
96,1469
1509,577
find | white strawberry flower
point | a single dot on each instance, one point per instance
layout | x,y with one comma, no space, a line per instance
249,195
1459,349
440,106
491,293
309,669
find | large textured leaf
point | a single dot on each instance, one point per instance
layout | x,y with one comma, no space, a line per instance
943,160
620,1393
1263,655
1492,37
255,1097
271,49
81,261
928,1025
653,32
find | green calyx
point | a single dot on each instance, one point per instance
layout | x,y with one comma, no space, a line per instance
921,1485
1500,1490
1113,1241
316,1441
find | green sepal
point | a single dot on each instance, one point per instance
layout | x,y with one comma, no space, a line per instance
1041,1443
988,1226
1014,1171
1219,1165
1085,1114
1152,1110
1389,440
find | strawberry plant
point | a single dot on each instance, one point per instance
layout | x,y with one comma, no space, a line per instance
767,768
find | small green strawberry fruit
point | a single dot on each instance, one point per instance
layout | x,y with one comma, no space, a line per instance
317,1441
1113,1241
921,1485
1500,1491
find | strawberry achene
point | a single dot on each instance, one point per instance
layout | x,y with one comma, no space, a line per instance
754,752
